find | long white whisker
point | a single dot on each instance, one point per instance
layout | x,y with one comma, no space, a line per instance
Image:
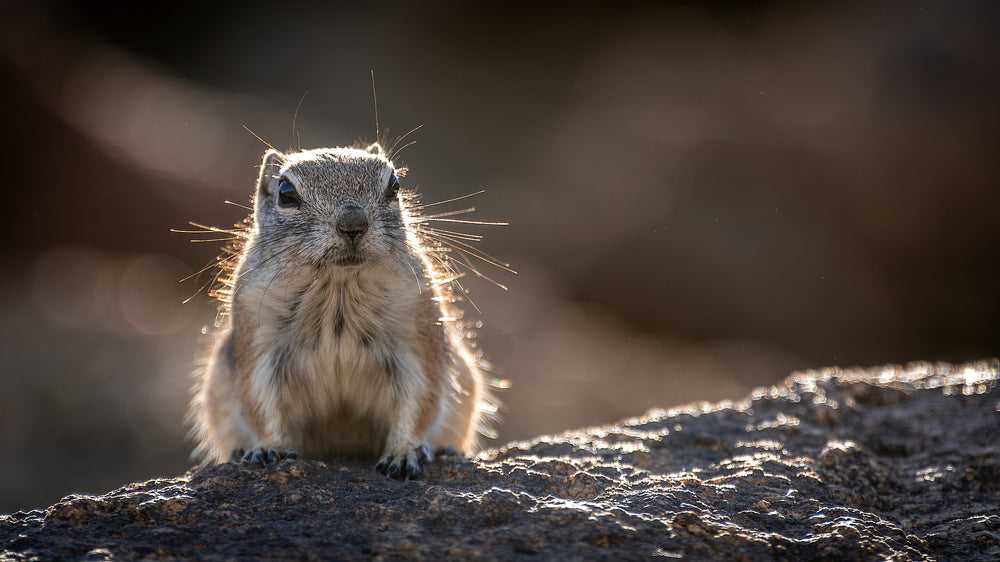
462,221
392,153
459,198
477,253
247,129
196,240
395,154
480,274
206,268
456,235
205,229
465,292
448,214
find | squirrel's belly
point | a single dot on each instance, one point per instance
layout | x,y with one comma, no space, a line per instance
339,405
342,432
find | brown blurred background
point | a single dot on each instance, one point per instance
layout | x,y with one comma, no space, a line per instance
702,197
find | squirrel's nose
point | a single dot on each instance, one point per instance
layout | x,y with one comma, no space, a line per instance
353,223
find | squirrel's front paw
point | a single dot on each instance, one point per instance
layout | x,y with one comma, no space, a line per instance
406,465
259,456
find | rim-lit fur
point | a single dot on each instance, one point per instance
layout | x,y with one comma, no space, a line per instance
329,347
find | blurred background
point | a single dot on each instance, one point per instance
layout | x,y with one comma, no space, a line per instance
702,197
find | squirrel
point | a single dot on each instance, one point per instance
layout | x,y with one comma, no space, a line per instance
339,334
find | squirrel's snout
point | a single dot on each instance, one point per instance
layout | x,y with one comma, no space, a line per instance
353,223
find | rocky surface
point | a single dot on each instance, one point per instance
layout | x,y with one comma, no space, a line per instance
887,463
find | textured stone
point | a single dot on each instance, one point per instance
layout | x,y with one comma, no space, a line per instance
887,463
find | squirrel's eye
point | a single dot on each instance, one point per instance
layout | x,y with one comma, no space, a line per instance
392,188
287,196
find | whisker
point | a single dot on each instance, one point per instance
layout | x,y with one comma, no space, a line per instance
402,148
227,202
267,144
453,199
452,234
400,139
196,240
218,286
207,284
466,296
465,263
200,231
448,214
480,274
204,269
221,263
196,293
296,138
416,278
480,223
477,253
375,102
233,231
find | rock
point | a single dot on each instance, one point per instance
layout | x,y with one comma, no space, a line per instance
888,463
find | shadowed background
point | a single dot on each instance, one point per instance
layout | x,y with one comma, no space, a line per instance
702,198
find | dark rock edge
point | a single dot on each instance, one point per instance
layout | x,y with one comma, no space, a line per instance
894,462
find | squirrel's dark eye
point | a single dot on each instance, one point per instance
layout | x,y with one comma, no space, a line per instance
287,196
392,188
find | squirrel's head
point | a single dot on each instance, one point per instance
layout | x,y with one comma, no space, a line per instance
329,206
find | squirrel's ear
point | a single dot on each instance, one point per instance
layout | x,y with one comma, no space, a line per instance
375,148
268,178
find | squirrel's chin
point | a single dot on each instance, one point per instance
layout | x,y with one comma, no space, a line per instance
349,257
350,260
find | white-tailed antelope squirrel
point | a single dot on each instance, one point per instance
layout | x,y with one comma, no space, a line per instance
340,336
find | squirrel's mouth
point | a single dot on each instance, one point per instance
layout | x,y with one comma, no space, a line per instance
350,260
345,257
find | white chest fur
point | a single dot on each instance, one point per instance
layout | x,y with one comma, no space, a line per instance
335,356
